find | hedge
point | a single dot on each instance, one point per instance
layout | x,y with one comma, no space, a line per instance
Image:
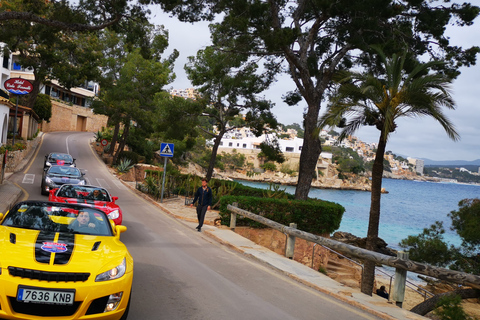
313,216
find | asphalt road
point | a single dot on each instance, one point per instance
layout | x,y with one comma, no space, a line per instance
181,273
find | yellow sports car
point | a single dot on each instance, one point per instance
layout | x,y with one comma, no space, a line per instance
62,261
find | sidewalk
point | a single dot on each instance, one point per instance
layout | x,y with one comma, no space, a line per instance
375,305
10,193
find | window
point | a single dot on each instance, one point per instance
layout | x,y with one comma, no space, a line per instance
289,149
5,61
244,145
221,143
230,144
238,144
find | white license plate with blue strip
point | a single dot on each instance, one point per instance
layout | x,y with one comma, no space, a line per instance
40,295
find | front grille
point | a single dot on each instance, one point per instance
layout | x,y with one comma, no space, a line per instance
43,310
48,276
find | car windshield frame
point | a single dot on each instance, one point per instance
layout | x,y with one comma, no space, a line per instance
61,156
64,171
75,191
47,216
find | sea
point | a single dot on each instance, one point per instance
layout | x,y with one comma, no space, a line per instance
407,208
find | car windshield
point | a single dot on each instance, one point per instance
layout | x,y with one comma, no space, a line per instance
83,192
56,217
67,171
61,156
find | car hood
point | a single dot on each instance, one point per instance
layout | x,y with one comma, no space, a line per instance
66,179
59,252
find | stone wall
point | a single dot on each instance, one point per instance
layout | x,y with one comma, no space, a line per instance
73,118
275,241
14,158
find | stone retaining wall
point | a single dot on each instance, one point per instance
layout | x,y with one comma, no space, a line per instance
16,157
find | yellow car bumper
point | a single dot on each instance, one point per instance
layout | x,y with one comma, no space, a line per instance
90,299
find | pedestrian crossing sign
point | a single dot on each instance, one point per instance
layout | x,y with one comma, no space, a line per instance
166,149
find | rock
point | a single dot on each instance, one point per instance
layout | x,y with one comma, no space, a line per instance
380,245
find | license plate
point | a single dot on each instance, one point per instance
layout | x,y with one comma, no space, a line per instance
39,295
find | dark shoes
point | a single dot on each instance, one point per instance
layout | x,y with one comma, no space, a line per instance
198,229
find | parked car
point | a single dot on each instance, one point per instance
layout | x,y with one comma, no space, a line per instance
97,197
62,261
55,176
59,159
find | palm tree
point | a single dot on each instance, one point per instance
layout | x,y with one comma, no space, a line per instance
364,99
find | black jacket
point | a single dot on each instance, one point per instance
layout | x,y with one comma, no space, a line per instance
204,197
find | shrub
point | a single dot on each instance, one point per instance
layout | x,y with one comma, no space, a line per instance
313,216
125,165
269,166
132,156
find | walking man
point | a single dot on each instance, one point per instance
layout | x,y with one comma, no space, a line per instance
204,197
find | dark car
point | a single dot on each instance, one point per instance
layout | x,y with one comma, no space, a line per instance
59,159
56,176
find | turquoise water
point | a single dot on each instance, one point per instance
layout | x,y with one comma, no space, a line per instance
407,208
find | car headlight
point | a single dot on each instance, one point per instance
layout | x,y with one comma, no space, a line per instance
48,164
48,180
114,273
82,182
114,214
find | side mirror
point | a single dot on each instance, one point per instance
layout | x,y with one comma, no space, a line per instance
120,229
46,156
114,199
1,217
51,193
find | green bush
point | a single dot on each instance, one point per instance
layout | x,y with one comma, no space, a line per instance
15,147
313,216
269,166
132,156
125,165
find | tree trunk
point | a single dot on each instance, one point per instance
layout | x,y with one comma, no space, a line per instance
213,157
114,138
311,150
123,141
368,276
32,96
431,304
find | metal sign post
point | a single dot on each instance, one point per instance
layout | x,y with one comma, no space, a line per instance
166,151
17,86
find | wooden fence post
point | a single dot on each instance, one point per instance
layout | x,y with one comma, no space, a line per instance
290,247
233,218
398,294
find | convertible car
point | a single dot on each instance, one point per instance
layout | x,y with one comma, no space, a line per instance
62,261
60,159
97,197
55,176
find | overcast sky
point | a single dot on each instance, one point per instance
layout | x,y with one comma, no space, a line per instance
414,137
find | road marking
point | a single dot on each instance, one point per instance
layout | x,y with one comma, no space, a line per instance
119,184
103,183
28,178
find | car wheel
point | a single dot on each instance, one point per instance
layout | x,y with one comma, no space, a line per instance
125,314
